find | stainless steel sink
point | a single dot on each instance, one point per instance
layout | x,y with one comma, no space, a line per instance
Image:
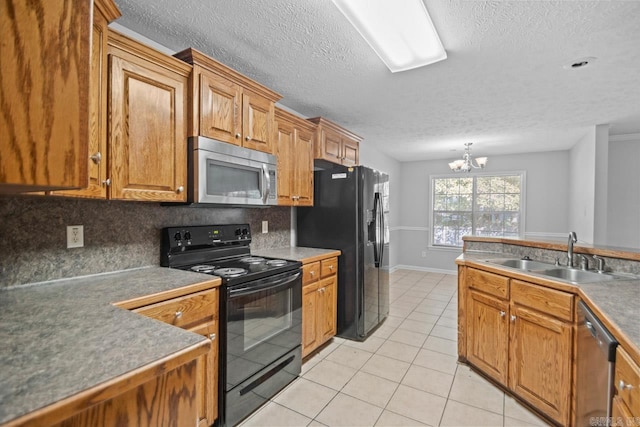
521,264
576,276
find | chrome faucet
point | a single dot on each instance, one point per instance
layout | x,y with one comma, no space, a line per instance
572,239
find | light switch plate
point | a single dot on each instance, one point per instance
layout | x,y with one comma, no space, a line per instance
75,236
265,226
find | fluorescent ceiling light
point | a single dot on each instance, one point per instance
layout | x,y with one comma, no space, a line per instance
400,32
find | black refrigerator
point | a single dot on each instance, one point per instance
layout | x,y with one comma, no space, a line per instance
351,213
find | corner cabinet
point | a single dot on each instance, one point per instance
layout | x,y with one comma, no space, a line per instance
148,123
520,334
228,106
319,303
44,94
294,150
336,144
104,11
198,313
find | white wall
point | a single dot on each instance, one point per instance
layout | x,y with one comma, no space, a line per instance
601,185
623,216
582,164
547,205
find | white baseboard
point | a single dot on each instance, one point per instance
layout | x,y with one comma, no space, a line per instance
418,268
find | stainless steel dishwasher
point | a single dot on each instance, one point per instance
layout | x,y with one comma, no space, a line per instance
595,360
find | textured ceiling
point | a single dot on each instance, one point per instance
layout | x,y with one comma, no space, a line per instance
503,85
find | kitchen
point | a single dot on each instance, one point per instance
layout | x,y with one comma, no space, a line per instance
124,235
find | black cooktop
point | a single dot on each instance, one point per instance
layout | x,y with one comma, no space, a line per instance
221,250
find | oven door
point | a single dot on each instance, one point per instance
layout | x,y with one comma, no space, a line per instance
264,322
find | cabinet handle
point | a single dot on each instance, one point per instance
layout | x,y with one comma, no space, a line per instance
212,337
180,189
513,318
238,135
502,313
313,273
623,386
178,314
107,182
96,158
331,267
247,138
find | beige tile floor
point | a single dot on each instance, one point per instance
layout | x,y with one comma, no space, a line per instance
405,374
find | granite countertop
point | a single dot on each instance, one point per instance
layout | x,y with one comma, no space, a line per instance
617,300
63,337
305,255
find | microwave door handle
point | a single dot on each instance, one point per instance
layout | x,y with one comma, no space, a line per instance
266,183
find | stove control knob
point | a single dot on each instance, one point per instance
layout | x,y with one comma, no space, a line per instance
187,235
245,231
177,236
238,232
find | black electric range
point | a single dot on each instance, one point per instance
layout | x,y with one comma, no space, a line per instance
260,312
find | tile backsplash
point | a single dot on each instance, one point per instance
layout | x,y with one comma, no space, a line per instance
117,235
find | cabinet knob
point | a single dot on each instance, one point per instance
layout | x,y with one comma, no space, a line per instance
502,313
107,182
313,273
623,386
212,337
331,267
96,158
180,189
178,314
247,138
513,318
238,135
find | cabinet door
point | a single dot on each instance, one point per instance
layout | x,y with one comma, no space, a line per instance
303,169
488,334
350,150
327,305
309,318
257,122
97,164
207,376
285,151
330,146
220,109
148,133
44,94
540,369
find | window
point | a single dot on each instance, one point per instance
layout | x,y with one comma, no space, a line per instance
479,205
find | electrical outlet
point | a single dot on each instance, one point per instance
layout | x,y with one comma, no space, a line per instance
424,254
75,236
265,226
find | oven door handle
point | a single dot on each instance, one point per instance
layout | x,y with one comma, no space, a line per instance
267,285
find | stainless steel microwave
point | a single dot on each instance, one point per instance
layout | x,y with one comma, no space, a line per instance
225,174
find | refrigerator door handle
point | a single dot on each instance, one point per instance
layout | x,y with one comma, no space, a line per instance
377,212
382,240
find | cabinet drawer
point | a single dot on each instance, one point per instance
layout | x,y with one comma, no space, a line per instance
310,272
627,381
328,266
548,301
187,311
490,283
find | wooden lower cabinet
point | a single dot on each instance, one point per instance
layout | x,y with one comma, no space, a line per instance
319,303
167,400
522,339
198,313
626,403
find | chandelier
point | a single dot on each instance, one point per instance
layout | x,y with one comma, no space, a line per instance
467,163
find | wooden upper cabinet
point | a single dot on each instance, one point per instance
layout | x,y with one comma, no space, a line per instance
104,11
148,123
44,94
336,144
294,150
220,107
228,106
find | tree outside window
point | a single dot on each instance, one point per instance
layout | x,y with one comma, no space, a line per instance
482,205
